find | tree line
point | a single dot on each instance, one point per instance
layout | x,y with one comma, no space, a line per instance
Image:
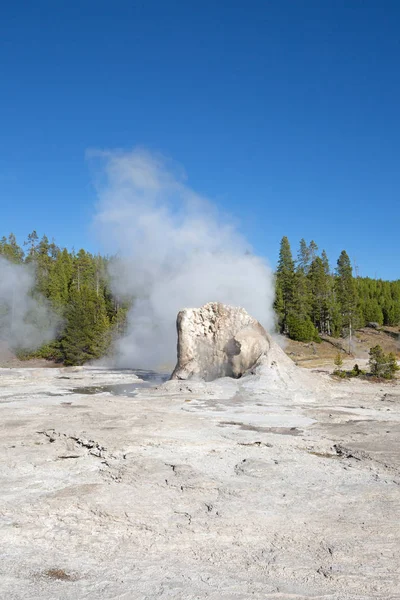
77,287
312,300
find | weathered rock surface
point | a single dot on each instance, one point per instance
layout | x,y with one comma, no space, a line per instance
225,490
218,340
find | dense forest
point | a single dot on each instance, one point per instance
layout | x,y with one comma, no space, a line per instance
77,287
312,300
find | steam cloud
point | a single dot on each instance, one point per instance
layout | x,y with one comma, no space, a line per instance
176,250
25,322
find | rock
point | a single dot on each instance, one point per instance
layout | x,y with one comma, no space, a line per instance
217,340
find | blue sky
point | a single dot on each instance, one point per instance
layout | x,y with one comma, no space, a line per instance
285,113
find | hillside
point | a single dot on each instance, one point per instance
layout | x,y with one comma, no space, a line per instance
312,354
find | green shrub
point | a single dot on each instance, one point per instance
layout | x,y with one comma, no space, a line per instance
356,371
340,373
302,330
338,360
50,351
381,364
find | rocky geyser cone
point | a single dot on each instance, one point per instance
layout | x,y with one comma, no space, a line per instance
217,340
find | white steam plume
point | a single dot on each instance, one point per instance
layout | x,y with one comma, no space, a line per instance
175,251
25,322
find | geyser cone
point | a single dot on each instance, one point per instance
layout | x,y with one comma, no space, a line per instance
218,340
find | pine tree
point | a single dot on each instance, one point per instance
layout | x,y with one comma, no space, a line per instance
381,364
320,285
338,361
301,296
334,311
31,242
285,277
43,262
10,250
84,271
313,249
87,334
372,311
302,292
325,262
346,292
303,257
60,278
279,306
301,329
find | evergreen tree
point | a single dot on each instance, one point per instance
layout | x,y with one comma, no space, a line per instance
279,306
313,249
301,329
321,291
334,311
303,257
325,262
87,334
346,292
338,360
10,250
31,242
372,311
301,307
302,293
43,263
60,278
285,279
381,364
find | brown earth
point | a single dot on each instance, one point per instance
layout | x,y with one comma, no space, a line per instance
9,360
312,355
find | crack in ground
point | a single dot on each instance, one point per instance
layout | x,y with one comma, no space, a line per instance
95,449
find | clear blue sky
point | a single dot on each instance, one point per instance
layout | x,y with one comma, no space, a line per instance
286,113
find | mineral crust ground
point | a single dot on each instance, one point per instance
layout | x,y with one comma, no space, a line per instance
229,490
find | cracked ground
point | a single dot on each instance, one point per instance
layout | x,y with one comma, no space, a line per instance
224,490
